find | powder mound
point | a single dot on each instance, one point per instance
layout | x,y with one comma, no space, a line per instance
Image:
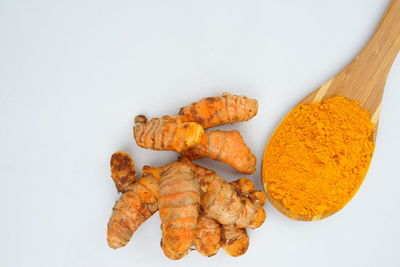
318,156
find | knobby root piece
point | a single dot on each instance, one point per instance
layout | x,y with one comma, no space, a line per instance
208,236
179,208
235,241
224,202
136,205
223,109
122,170
225,146
166,133
246,188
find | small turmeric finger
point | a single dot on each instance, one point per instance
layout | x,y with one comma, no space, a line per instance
135,206
225,146
208,236
166,133
179,208
218,110
258,219
244,185
258,197
250,197
235,241
122,170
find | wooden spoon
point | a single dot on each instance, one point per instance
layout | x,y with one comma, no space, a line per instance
363,80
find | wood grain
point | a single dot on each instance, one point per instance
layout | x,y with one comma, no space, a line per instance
365,77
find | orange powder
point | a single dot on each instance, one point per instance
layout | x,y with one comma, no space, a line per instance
318,156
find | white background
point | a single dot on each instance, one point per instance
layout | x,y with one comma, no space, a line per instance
73,74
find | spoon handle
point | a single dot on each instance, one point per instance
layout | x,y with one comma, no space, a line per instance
383,47
365,77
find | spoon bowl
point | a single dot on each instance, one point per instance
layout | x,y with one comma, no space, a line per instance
362,80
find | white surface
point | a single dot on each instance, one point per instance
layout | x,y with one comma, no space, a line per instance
73,74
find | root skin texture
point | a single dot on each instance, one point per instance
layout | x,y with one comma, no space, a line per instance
218,110
235,241
122,170
208,236
179,208
179,190
225,146
166,133
135,206
224,202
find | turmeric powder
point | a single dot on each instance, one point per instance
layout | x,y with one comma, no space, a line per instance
318,156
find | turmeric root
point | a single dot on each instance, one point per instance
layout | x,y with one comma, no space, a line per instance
223,109
235,241
224,202
208,236
181,189
122,170
175,189
166,133
246,188
225,146
136,204
179,208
